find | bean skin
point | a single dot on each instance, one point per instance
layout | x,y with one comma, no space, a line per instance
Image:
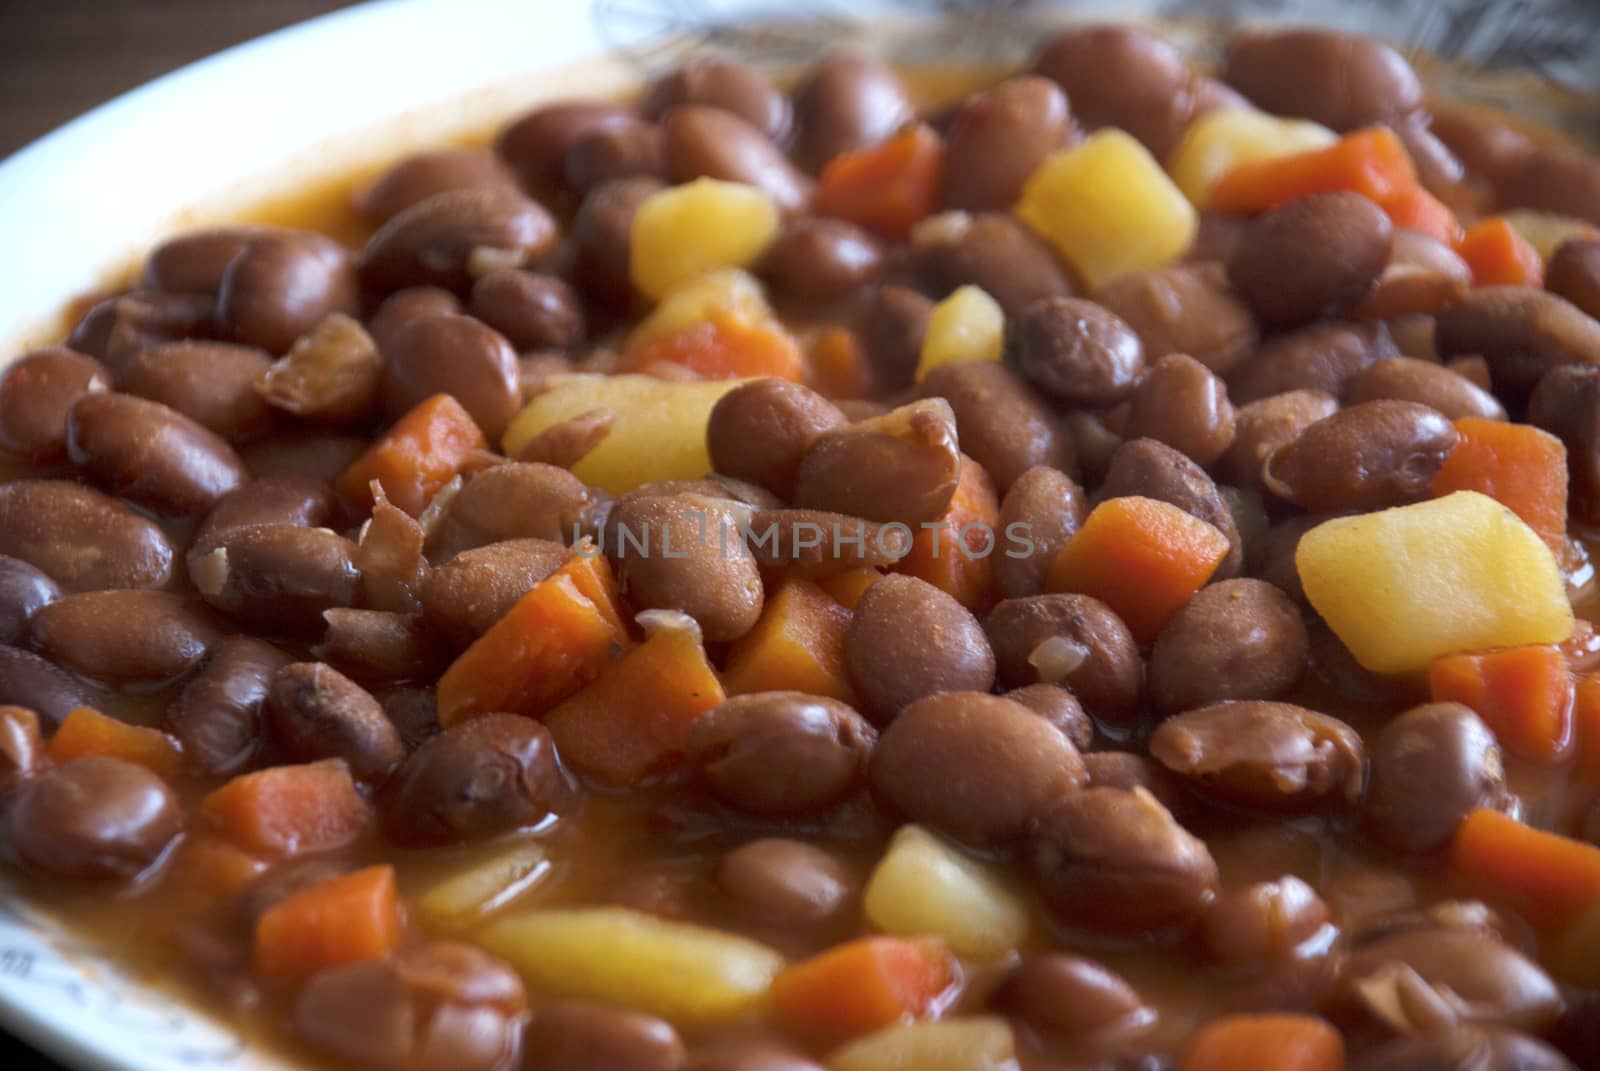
1060,708
1315,256
1001,136
126,636
1561,179
297,500
80,538
36,393
24,589
696,562
194,263
712,143
465,596
1075,352
1487,1048
1430,767
22,747
217,717
1340,80
442,241
1369,456
279,577
116,329
909,640
1263,426
1001,423
1041,510
760,432
1237,639
1182,404
726,83
26,680
211,383
281,285
900,467
1321,357
316,712
1186,309
93,819
1521,332
1267,922
1091,652
520,500
421,175
849,101
1407,379
150,454
992,251
455,355
535,145
1423,275
330,375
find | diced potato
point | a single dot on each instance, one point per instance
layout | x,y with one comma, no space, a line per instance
689,975
659,432
1546,231
728,291
487,886
966,326
698,227
1460,573
1108,208
982,1043
1221,140
924,886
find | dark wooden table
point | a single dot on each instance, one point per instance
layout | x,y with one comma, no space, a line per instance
59,58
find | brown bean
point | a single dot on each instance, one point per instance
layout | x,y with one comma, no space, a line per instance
194,262
1440,170
515,501
1072,998
1431,766
1566,403
1277,566
1413,337
1574,274
1267,922
1002,424
1491,143
1274,755
1127,771
125,636
566,443
976,767
22,748
1520,331
815,261
329,376
490,775
36,393
759,432
1182,404
848,101
151,454
1039,513
625,150
812,543
1060,708
712,143
891,325
756,1056
536,144
533,312
377,647
580,1036
1341,80
1263,426
1320,357
1000,136
1238,639
304,452
781,754
1459,1048
1123,77
421,175
909,640
282,285
789,884
24,590
290,499
1410,380
80,538
26,680
316,712
93,819
1366,457
1148,469
1557,178
453,238
217,717
1075,352
991,251
455,355
688,555
1186,309
278,576
414,712
466,595
1314,257
726,83
1336,669
1072,640
1117,862
1423,275
602,240
114,330
211,383
900,467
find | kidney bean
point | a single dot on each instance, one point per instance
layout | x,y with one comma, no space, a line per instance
1521,332
24,590
815,261
1413,337
1072,640
752,1057
1336,669
93,819
1075,352
978,768
1127,771
26,680
909,640
759,432
712,143
282,500
1076,999
467,594
1060,708
421,175
1365,457
1002,424
116,329
217,716
900,467
281,285
533,312
80,538
36,392
722,82
1410,380
1263,426
452,238
811,543
1188,309
519,500
1274,755
849,101
125,636
1278,549
890,326
414,711
1423,275
316,712
1117,862
1321,357
1000,136
1430,767
1315,256
535,145
151,454
781,754
329,376
1183,405
1557,178
195,262
1490,143
1267,922
694,560
454,355
602,240
486,776
1038,515
1574,274
278,576
1566,403
1123,77
1238,639
435,1006
783,883
1340,80
22,747
309,452
1144,467
380,646
991,251
574,1035
211,383
623,150
1463,1048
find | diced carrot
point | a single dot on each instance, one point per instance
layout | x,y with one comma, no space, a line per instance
1547,878
1415,209
888,188
421,453
1142,557
1371,162
557,639
347,919
1266,1042
862,986
1499,256
847,587
957,556
839,364
86,731
1586,727
1518,465
727,346
206,870
632,721
1524,694
798,645
283,810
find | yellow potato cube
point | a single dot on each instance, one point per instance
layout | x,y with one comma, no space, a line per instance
659,432
487,886
697,227
981,1043
727,291
689,975
1546,231
966,326
1108,208
1219,141
1460,573
926,887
